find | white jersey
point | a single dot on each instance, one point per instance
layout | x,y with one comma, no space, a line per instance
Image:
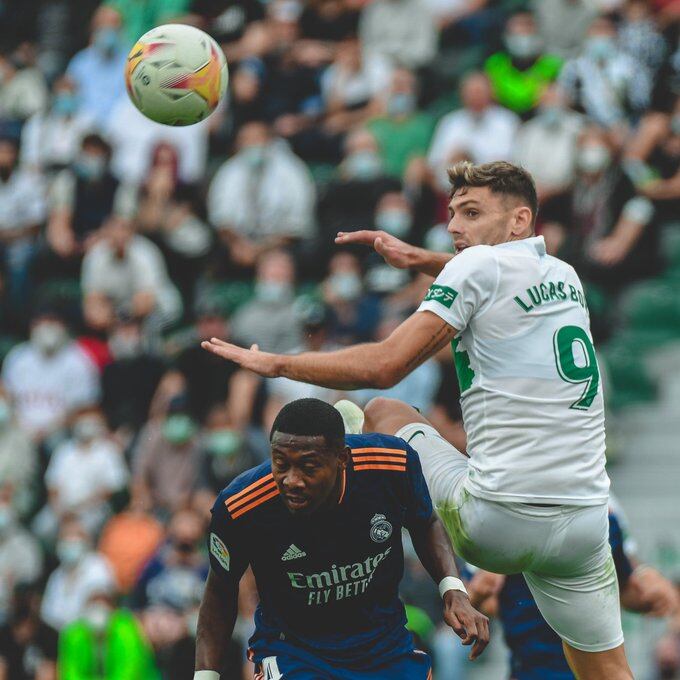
531,391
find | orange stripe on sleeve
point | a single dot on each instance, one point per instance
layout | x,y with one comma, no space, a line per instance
376,466
254,504
373,449
251,496
264,480
389,459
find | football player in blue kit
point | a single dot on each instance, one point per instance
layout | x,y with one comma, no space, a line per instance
535,649
320,525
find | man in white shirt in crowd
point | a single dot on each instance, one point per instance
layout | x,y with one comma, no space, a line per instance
481,131
125,273
81,572
49,377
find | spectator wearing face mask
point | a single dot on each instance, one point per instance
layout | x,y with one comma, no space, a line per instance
130,380
23,91
28,646
563,24
18,457
81,572
22,211
403,132
269,319
607,229
101,473
98,70
105,642
608,84
640,36
261,198
166,460
50,139
82,197
480,131
125,274
49,377
21,559
520,73
553,133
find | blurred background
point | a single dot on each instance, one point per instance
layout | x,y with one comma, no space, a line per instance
123,243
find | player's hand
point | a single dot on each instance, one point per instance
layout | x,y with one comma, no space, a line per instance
468,624
657,592
262,363
395,252
484,585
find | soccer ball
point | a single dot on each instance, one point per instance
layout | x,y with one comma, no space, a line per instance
176,74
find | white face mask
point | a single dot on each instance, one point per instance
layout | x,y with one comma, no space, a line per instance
273,291
71,551
593,159
97,615
346,285
88,428
7,518
394,221
5,413
48,336
524,45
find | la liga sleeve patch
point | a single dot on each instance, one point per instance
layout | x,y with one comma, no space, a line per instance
219,551
441,294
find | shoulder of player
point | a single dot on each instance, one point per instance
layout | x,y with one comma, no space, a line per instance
473,256
251,489
379,453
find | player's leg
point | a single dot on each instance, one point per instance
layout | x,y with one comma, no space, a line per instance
575,587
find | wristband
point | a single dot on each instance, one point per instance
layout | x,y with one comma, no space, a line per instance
206,675
451,583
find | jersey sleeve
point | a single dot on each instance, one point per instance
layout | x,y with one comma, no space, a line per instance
463,287
226,549
417,499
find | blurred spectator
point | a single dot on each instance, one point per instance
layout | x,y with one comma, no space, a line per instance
640,37
175,575
402,31
167,460
167,212
125,273
608,84
81,199
667,650
18,458
134,138
563,24
128,541
403,133
130,380
105,642
98,70
269,318
21,559
139,17
101,474
520,74
349,200
51,138
552,133
481,131
352,84
262,198
28,646
328,20
23,91
49,377
22,211
605,227
81,572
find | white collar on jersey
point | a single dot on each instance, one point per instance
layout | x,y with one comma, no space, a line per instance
536,243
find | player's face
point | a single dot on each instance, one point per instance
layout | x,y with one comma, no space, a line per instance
480,217
307,473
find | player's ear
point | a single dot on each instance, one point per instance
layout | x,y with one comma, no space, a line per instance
522,221
343,457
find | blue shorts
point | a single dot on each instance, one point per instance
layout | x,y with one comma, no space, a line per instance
414,665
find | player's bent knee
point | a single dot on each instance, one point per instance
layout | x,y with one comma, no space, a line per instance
388,415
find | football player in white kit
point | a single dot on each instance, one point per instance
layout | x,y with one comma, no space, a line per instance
532,497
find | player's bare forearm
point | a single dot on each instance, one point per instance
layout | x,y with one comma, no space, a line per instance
431,263
378,365
434,550
216,619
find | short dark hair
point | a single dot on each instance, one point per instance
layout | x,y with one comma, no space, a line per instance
93,139
311,418
501,177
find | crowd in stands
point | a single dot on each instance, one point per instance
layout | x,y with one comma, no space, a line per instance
124,243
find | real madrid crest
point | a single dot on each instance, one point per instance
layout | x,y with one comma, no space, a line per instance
381,529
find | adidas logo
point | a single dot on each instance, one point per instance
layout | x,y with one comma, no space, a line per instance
293,553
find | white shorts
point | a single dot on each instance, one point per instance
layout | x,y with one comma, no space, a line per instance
562,551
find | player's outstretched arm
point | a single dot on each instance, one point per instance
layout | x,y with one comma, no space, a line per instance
436,554
396,252
374,364
216,619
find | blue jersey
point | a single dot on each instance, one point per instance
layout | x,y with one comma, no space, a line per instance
328,582
535,648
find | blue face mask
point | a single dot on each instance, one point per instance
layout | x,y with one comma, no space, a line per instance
89,167
224,443
363,165
65,104
396,222
178,428
106,39
600,47
402,104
